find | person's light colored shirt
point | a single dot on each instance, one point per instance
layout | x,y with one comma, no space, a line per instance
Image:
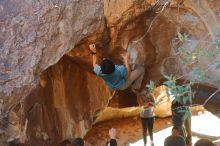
147,112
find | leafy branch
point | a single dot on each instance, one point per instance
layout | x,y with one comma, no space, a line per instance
151,86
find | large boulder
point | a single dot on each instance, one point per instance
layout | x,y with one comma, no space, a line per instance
47,88
35,35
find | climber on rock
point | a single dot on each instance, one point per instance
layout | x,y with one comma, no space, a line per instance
118,77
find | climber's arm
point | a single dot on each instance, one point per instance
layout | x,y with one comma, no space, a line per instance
94,60
93,52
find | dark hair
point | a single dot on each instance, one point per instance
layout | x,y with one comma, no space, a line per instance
107,66
204,142
176,128
78,142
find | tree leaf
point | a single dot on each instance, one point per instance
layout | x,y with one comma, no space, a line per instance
211,53
151,85
181,111
218,66
180,36
185,99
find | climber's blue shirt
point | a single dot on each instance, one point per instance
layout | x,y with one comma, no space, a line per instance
116,80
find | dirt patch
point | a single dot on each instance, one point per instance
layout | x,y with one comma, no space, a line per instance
129,130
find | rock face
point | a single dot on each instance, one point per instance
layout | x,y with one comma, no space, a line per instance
64,105
35,35
41,103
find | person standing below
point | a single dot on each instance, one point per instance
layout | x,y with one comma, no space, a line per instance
204,142
175,139
181,118
112,135
117,77
147,117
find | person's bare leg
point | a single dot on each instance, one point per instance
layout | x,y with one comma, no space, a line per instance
137,83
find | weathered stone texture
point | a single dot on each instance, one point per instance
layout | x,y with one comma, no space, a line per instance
52,36
35,35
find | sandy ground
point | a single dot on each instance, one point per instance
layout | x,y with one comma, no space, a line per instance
204,125
129,131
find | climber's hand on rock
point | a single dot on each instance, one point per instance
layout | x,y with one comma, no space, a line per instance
92,48
112,133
